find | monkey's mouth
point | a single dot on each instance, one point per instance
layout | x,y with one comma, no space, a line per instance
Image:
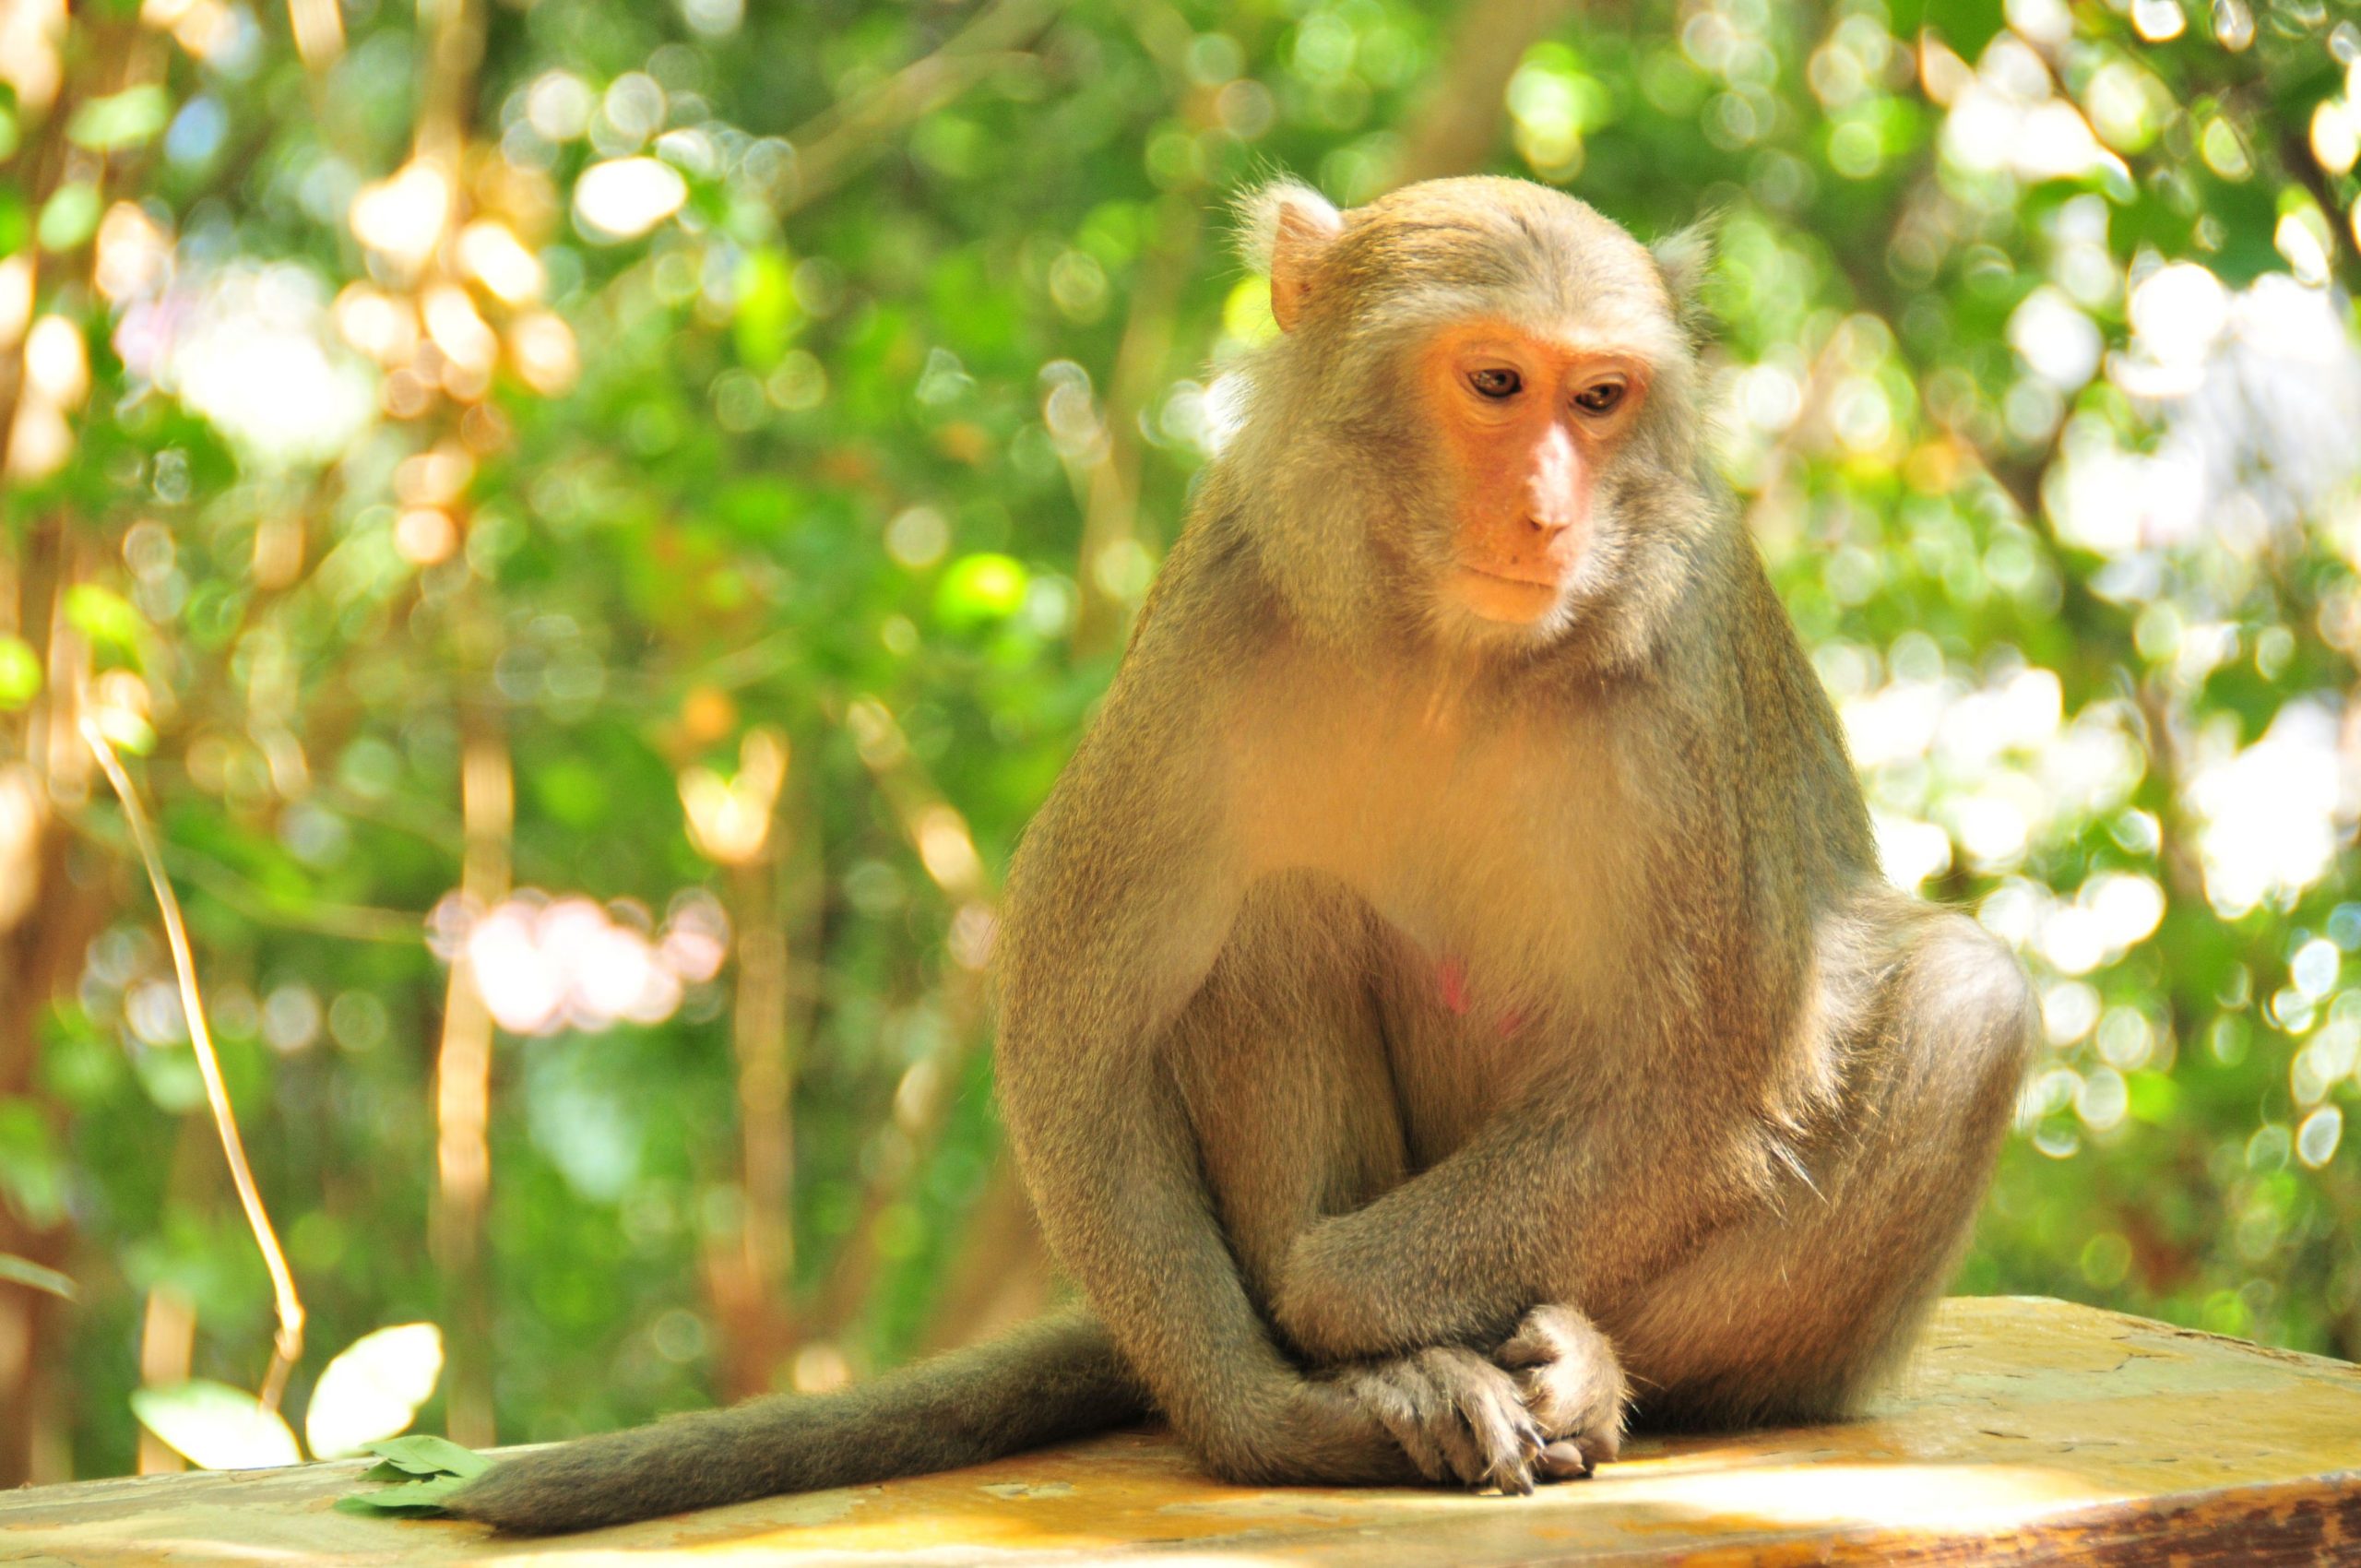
1496,596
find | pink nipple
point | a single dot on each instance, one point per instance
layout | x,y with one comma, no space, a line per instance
1451,977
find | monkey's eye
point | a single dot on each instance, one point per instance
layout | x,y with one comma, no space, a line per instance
1496,384
1599,396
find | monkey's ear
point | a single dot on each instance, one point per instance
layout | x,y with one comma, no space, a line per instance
1686,260
1285,229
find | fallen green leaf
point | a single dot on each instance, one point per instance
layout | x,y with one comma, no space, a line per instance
426,1455
430,1470
411,1497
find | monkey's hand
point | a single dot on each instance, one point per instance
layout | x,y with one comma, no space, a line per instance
1572,1386
1459,1417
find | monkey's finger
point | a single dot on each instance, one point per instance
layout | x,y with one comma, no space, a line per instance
1540,1397
1563,1461
1416,1439
1428,1425
1470,1466
1547,1334
1604,1443
1429,1459
1524,1421
1455,1435
1435,1412
1516,1474
1505,1435
1564,1411
1531,1346
1514,1481
1505,1466
1512,1471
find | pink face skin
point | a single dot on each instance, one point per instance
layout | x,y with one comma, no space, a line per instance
1527,420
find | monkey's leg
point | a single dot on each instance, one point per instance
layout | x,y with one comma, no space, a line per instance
1280,1059
1792,1315
1121,899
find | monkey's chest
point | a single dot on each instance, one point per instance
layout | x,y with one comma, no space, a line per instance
1509,838
1497,856
1507,874
1461,1038
1502,943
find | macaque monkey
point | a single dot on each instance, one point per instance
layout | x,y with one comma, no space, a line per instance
1450,1004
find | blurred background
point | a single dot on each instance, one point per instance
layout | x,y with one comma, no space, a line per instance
593,523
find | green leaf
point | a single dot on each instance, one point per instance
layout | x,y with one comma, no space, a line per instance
69,218
20,672
1966,25
372,1389
571,790
32,1169
215,1426
442,1466
25,1272
2154,1098
426,1455
423,1498
766,309
105,616
126,120
978,588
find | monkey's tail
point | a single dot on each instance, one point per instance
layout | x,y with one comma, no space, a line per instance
1057,1377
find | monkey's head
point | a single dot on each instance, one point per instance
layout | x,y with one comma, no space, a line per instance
1479,410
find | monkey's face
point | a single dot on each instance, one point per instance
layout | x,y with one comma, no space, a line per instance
1486,385
1526,422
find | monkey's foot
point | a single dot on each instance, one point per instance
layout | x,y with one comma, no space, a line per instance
1457,1416
1572,1387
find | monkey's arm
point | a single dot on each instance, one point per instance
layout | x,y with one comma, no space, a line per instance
1118,905
1571,1197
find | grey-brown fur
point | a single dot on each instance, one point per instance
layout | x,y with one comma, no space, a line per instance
1055,1378
1419,1038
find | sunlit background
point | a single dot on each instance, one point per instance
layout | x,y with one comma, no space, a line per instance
596,521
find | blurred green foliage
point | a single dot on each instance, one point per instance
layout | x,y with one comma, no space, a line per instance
698,461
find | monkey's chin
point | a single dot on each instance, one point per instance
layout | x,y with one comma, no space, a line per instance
1508,601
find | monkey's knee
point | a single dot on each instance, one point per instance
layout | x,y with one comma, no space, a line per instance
1749,1342
1970,1015
1797,1316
